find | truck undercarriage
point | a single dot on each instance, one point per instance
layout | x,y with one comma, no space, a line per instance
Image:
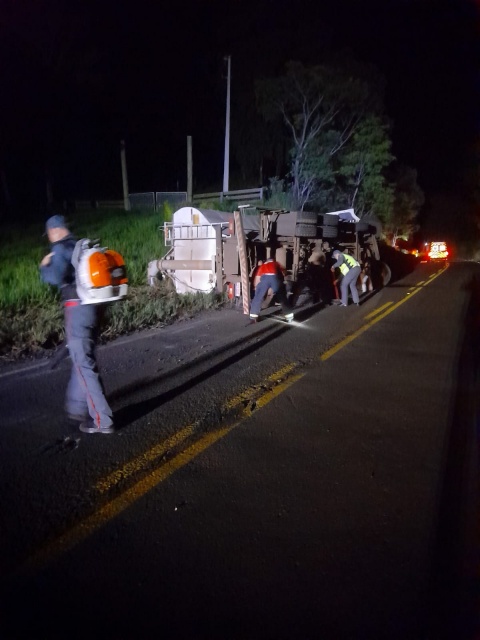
212,250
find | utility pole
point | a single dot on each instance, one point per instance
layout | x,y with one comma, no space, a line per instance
226,161
126,200
189,169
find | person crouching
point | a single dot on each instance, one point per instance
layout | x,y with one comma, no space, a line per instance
271,276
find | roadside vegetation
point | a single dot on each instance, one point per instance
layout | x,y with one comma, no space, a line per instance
31,319
324,134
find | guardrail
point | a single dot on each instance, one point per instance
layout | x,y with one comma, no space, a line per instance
239,196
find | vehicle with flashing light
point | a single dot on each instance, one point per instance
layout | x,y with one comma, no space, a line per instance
437,251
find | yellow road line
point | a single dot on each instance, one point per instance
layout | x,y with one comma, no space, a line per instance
375,311
246,396
419,284
282,372
330,352
276,391
113,508
105,484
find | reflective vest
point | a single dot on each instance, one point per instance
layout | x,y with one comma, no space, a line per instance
350,264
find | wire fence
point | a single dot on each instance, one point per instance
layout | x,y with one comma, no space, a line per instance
152,200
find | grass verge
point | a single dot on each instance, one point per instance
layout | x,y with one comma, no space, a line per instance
31,318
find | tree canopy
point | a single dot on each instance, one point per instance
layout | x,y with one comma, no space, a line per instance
329,111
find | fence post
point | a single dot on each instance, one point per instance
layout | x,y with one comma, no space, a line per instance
126,201
189,168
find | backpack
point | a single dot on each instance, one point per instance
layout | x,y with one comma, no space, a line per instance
100,273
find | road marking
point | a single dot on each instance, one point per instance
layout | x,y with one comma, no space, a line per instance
137,464
330,352
247,396
375,311
105,513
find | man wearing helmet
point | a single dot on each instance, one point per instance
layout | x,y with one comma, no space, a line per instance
350,270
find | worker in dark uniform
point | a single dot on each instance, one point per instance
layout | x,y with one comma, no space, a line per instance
350,270
85,400
271,276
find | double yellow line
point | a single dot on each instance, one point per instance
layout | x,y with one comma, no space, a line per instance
241,406
114,507
378,315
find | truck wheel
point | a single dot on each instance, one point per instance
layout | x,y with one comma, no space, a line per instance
330,221
386,274
305,231
306,217
329,232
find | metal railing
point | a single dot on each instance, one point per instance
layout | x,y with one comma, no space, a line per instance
242,195
98,204
178,231
146,200
174,198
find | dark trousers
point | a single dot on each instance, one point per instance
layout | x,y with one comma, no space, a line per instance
350,280
85,394
277,286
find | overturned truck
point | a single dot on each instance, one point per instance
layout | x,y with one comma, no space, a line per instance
212,250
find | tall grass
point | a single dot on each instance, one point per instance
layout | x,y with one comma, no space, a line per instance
30,313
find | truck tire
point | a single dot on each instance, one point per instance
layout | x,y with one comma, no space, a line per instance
306,217
329,232
305,231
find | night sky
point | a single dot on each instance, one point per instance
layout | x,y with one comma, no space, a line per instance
77,77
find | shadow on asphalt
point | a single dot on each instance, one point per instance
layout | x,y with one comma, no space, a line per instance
242,347
455,580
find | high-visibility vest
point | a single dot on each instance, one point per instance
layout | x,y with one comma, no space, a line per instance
350,264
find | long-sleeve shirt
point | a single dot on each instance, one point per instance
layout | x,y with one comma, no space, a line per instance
60,272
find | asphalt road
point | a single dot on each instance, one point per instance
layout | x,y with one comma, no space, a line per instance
314,480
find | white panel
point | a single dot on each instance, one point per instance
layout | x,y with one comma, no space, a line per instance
187,247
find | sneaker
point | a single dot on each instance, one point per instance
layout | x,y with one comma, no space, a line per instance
336,301
88,426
